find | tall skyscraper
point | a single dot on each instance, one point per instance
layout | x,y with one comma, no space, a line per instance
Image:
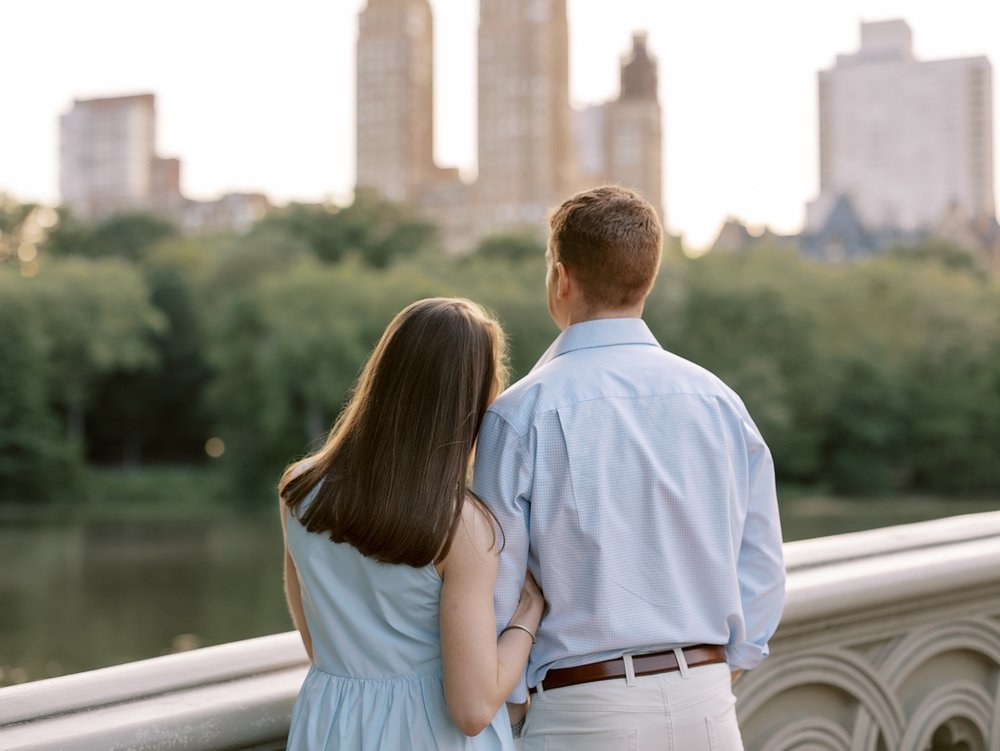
108,159
904,140
395,97
621,141
526,155
635,155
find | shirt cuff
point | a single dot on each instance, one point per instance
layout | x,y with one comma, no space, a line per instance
745,656
520,693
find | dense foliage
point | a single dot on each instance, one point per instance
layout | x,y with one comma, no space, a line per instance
128,343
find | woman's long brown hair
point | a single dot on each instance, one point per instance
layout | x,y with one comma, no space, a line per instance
395,465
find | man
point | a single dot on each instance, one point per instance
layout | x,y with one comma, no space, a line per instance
636,488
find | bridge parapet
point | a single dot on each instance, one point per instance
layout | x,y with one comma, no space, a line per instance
890,642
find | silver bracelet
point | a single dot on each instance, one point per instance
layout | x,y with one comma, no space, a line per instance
517,727
525,629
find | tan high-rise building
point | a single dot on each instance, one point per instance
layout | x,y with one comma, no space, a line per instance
526,154
395,97
107,160
621,141
634,138
533,151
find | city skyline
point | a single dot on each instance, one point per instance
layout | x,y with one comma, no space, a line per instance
737,87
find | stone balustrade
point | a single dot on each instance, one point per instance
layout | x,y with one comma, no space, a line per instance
890,642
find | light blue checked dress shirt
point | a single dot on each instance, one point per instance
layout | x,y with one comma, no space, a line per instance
639,492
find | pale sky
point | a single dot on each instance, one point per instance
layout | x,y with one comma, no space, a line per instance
258,95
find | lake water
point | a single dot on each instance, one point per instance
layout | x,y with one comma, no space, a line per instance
82,596
86,596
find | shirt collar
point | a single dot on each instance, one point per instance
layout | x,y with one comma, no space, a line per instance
602,332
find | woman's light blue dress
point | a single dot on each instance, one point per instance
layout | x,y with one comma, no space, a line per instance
376,680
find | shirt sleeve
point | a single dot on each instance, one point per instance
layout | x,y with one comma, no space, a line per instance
502,480
760,564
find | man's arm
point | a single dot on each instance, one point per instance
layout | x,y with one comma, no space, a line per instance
502,480
760,565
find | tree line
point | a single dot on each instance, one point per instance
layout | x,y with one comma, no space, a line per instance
127,343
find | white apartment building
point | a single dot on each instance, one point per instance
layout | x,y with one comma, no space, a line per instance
905,140
108,164
107,155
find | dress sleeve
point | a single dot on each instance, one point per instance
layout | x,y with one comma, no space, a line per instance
502,479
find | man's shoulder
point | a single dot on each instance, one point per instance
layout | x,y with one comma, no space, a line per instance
660,371
520,402
693,377
589,375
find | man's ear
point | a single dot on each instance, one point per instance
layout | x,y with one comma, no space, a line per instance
563,281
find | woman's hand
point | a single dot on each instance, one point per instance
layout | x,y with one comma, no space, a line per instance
530,604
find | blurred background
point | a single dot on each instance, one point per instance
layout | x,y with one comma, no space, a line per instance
209,212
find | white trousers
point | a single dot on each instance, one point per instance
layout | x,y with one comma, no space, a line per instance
665,712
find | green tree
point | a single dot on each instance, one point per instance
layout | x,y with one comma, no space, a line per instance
514,289
99,318
947,336
230,265
127,235
158,413
514,247
375,230
24,231
130,235
71,236
286,351
35,460
13,220
943,253
863,437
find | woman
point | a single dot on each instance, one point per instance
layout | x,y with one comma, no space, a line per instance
390,562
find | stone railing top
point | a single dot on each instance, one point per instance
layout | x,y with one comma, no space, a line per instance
148,678
834,575
803,554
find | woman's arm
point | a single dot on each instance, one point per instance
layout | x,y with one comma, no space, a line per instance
480,670
292,593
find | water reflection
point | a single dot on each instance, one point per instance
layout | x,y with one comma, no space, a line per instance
78,597
87,596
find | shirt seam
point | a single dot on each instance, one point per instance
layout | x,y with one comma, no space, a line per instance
508,425
605,397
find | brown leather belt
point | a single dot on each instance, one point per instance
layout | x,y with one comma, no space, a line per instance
649,664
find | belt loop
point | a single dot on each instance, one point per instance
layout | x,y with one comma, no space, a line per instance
682,663
629,670
540,689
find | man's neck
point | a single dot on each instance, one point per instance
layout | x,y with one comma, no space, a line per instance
582,316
